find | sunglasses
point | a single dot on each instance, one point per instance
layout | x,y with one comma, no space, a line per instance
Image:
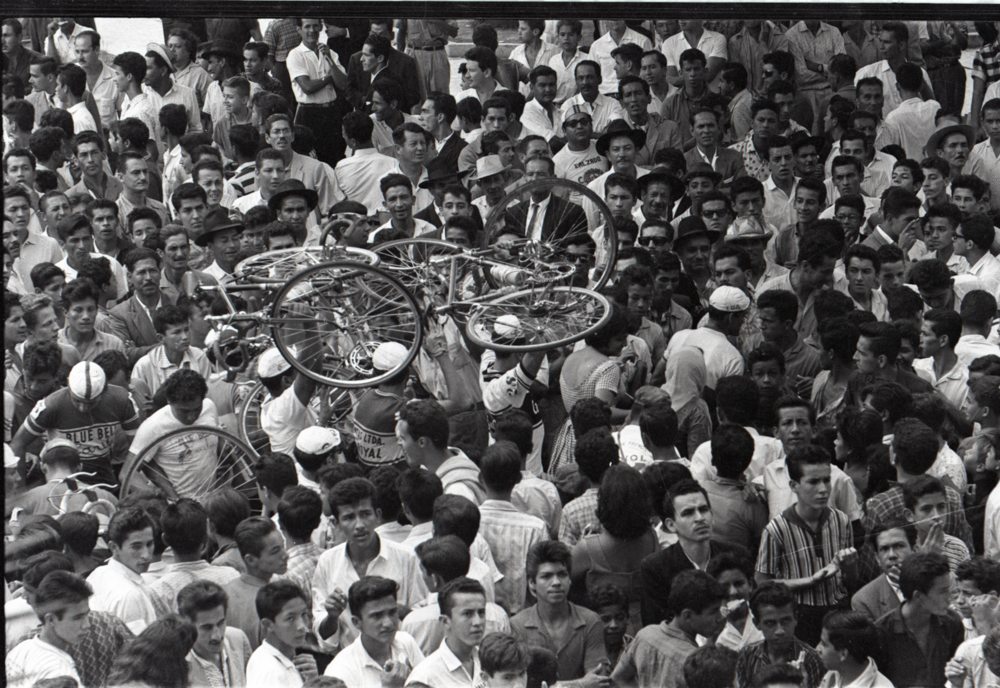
712,214
768,72
575,123
655,240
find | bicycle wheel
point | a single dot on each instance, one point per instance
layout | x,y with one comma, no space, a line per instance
233,462
565,314
573,211
351,308
280,265
418,264
253,434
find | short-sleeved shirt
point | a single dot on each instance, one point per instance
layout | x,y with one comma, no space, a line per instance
35,660
93,432
375,428
583,650
580,166
722,359
711,43
302,61
268,667
356,668
512,389
283,418
189,459
753,658
789,548
655,657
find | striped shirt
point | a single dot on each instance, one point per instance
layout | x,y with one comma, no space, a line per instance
510,534
755,657
789,548
579,518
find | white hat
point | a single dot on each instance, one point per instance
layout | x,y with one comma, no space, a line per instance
55,443
9,457
272,363
317,440
86,381
389,356
508,327
729,300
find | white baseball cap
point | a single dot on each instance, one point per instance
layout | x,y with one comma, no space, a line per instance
272,363
389,356
729,300
9,457
86,381
508,327
317,440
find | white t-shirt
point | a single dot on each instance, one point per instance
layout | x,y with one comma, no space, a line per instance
283,419
190,459
580,166
35,660
722,359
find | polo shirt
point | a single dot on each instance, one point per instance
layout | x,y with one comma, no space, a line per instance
335,570
789,548
101,342
953,385
268,667
582,650
36,660
655,657
302,61
987,271
189,460
356,668
442,669
904,662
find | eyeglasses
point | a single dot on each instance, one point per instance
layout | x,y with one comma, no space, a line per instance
767,72
575,123
655,240
713,214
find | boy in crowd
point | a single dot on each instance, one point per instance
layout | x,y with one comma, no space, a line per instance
262,548
173,329
941,330
463,615
220,652
656,657
284,613
926,507
845,647
504,661
735,573
381,655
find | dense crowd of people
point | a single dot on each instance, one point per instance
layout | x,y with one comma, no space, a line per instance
776,465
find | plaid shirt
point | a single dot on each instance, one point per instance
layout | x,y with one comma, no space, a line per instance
266,82
754,657
302,560
95,654
281,36
579,517
986,64
889,503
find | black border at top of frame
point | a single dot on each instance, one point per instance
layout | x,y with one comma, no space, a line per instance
509,10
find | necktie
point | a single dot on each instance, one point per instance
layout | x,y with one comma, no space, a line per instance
531,222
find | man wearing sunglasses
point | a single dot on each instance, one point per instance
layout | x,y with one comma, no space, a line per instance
656,235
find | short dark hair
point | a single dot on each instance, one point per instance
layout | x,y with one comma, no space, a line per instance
300,511
739,398
659,421
185,526
369,589
770,594
547,552
276,472
695,590
184,385
250,534
226,509
418,488
919,571
426,418
79,290
945,323
809,455
862,252
732,450
350,492
710,666
778,675
458,586
921,486
979,230
59,590
445,555
623,503
500,467
982,571
201,596
595,452
80,531
765,353
273,597
444,103
679,489
456,515
915,446
784,303
484,57
132,64
128,521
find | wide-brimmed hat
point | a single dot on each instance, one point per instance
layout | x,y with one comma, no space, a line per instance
217,220
487,166
439,175
702,169
161,50
293,187
748,229
659,175
224,48
691,226
935,139
620,127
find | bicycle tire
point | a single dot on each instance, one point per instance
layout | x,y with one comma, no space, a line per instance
234,465
251,431
534,308
252,267
362,307
551,249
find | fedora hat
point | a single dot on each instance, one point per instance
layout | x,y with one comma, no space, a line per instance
487,166
934,140
439,175
749,228
620,127
217,220
224,48
658,175
293,187
160,50
693,226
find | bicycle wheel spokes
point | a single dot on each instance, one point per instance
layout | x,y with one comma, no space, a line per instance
347,309
562,314
420,264
283,263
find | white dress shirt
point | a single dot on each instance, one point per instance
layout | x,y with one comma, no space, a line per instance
711,43
536,118
269,667
883,72
766,450
566,74
600,52
442,669
121,591
972,346
423,623
953,385
82,119
359,175
356,668
909,126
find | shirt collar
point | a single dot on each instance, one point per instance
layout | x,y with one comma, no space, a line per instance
790,514
270,649
125,572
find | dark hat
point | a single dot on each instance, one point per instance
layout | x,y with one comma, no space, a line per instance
439,175
293,187
224,48
702,169
657,175
692,226
935,139
620,127
217,220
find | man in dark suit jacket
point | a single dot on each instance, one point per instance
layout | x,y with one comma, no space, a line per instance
689,515
893,544
446,158
132,321
561,218
378,58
